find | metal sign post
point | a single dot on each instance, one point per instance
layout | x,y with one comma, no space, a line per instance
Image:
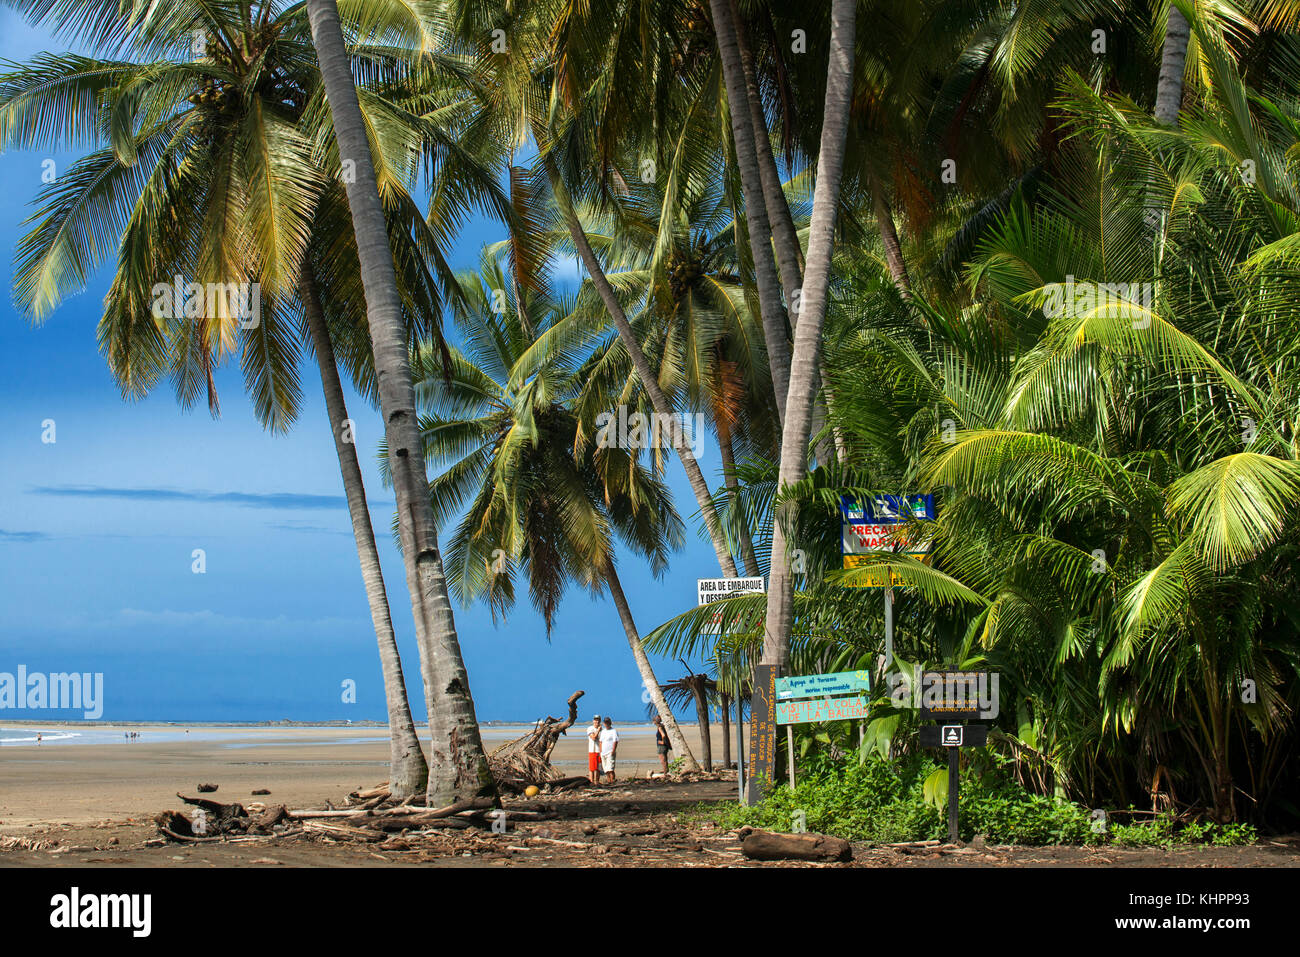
709,590
954,789
789,742
889,626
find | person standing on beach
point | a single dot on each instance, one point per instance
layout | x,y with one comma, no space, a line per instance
662,744
593,751
608,750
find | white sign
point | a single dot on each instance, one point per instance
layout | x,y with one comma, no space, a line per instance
715,589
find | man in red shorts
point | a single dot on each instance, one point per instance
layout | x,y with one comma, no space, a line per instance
593,751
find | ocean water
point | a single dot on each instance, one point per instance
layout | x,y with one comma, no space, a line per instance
234,737
26,737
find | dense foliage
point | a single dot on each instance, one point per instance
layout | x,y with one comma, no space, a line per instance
884,802
1063,249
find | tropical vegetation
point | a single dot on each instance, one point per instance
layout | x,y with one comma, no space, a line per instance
1038,260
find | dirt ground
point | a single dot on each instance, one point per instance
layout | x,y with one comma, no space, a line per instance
633,824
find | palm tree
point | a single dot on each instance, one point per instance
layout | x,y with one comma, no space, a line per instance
554,88
808,340
681,269
541,496
205,167
742,96
699,689
458,767
408,772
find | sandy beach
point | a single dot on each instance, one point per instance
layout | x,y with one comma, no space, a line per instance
70,803
69,782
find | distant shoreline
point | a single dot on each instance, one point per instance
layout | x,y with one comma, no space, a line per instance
5,721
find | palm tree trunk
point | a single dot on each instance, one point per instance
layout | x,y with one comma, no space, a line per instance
822,448
771,309
702,717
643,666
1173,58
726,730
733,492
458,767
808,335
785,238
658,401
408,771
841,447
889,237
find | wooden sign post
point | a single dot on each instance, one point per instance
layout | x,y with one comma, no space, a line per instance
808,699
953,697
762,734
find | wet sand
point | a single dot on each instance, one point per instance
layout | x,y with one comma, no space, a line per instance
72,783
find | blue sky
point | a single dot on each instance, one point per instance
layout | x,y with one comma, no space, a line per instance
97,530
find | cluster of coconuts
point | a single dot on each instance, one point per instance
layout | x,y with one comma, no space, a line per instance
214,94
697,42
681,274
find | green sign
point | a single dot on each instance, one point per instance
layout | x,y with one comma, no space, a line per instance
818,686
809,710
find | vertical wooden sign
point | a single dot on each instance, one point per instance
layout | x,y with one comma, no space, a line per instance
762,734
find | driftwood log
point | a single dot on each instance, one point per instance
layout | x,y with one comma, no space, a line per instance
527,759
770,846
398,818
208,821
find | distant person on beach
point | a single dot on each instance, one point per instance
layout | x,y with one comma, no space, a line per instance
608,750
593,751
662,744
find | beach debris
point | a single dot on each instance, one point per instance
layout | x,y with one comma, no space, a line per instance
258,791
761,845
207,788
209,820
369,835
270,817
25,844
377,796
527,759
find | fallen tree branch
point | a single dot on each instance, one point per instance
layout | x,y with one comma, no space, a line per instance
185,839
526,760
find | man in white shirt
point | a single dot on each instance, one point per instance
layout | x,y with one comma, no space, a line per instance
608,750
593,751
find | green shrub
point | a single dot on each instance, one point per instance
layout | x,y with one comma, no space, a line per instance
880,802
